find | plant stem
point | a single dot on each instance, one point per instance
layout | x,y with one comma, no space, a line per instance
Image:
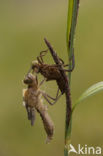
73,6
71,25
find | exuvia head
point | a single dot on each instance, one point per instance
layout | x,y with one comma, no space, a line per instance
35,66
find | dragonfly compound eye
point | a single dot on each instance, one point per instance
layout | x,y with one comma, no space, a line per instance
28,79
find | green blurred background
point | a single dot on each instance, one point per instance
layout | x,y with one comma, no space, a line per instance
23,25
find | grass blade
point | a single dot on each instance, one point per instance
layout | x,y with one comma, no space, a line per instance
71,25
89,92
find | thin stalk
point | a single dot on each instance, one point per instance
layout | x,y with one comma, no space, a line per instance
68,32
73,6
71,25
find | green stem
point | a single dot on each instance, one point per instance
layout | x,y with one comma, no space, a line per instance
71,25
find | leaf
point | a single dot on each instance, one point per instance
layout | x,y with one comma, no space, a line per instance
69,19
73,6
89,92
